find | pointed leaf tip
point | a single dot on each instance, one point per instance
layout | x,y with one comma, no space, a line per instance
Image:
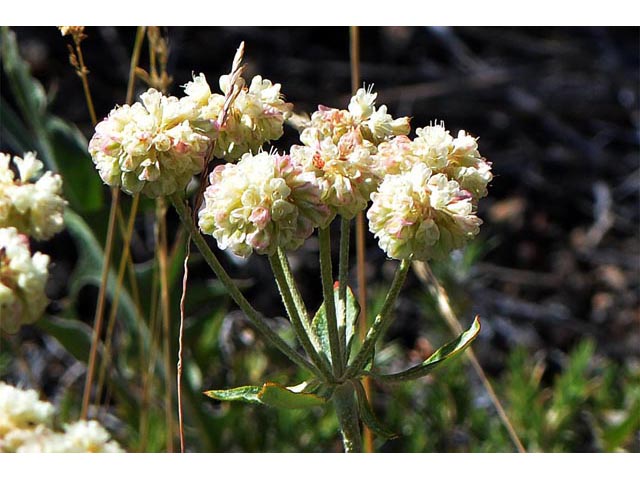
441,355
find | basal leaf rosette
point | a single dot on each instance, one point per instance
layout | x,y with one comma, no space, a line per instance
33,201
421,214
151,147
255,116
263,202
22,281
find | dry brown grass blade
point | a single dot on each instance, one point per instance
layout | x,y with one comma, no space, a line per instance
426,276
354,37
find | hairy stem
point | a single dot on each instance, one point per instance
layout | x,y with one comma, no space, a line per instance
381,322
295,316
297,299
326,272
254,317
345,403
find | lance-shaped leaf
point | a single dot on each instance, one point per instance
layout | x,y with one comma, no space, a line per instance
319,323
272,394
368,417
444,353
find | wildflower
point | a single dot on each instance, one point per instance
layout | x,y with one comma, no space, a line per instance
22,281
262,202
21,409
421,214
151,147
35,209
338,146
458,158
346,179
26,426
254,115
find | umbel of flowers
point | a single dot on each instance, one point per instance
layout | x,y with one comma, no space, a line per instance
426,204
26,426
157,145
423,194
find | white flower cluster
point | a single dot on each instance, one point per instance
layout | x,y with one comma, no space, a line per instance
262,202
26,425
34,207
255,115
426,204
22,281
150,147
338,145
421,214
458,158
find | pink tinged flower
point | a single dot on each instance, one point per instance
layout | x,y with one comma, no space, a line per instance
263,202
419,214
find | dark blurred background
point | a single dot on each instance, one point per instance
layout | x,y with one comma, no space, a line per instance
557,113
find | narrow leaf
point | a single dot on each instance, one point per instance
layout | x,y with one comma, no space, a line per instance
271,394
367,415
440,356
82,185
276,395
319,323
247,394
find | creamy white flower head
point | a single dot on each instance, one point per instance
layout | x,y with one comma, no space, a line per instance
36,209
255,114
262,202
22,281
395,156
372,125
84,437
346,173
153,147
22,409
468,167
457,158
420,214
26,426
432,146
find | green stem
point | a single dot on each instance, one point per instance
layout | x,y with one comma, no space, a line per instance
326,272
295,316
381,322
344,401
254,317
343,273
297,299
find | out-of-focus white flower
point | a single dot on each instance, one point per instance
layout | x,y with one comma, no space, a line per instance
22,281
22,409
262,202
151,147
421,214
35,209
26,427
255,116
